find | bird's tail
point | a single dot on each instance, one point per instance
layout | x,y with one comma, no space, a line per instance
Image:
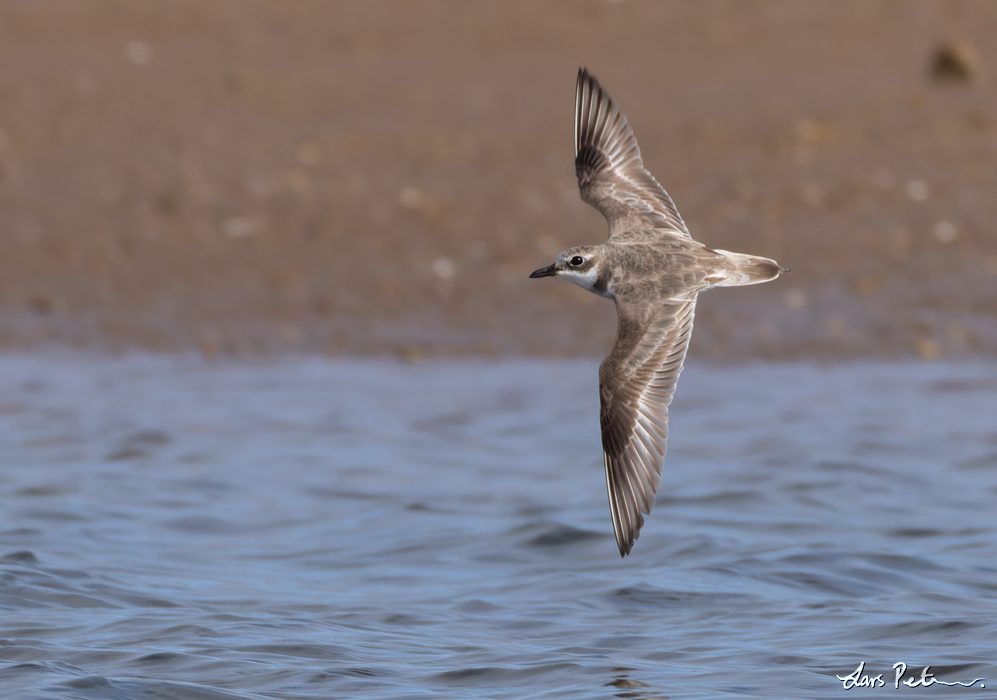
747,269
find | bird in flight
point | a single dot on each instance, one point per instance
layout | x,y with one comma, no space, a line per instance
653,269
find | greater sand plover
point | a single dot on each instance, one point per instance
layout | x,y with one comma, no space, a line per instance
653,269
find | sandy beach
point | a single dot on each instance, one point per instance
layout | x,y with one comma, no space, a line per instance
247,177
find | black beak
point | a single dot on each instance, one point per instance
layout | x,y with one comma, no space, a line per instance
548,271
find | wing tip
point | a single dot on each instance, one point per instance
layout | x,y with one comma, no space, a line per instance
585,76
626,540
585,86
625,547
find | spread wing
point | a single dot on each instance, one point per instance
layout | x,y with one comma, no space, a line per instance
636,383
611,174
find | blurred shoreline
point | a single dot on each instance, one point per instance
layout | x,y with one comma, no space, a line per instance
378,179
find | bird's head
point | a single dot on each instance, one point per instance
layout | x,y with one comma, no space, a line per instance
581,265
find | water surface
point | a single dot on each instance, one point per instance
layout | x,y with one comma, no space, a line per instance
173,528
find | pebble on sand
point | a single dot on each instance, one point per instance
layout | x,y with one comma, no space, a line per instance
917,190
956,61
945,231
138,53
444,269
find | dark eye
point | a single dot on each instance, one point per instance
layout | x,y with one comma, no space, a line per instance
576,261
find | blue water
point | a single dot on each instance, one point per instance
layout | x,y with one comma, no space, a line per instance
177,528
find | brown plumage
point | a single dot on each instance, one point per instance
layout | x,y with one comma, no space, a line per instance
653,269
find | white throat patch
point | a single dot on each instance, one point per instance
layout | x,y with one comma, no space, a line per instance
586,280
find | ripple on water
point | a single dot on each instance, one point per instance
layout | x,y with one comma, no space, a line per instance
176,528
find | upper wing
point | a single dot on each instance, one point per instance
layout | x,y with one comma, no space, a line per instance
636,383
611,174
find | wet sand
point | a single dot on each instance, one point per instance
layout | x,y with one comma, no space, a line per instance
375,178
